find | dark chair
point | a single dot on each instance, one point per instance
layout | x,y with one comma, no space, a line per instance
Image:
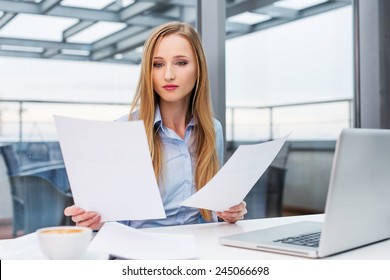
37,203
17,164
10,160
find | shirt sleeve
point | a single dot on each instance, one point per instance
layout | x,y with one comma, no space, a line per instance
124,118
219,142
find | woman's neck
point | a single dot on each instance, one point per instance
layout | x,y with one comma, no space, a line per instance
175,117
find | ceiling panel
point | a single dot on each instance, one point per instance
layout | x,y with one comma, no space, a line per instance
114,30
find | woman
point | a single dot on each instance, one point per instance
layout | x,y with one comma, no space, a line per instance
186,143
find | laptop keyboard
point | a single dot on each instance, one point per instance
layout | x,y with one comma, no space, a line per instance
309,240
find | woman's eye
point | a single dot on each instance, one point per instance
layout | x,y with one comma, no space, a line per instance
182,63
158,64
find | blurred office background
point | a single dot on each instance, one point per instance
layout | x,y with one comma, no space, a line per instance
309,67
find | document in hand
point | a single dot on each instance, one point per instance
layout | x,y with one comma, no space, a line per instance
129,243
109,168
236,178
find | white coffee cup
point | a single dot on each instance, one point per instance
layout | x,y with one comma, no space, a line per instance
64,242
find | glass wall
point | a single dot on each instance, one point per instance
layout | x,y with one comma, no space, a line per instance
32,92
57,81
295,77
299,63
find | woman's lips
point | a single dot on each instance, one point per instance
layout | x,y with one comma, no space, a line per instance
170,87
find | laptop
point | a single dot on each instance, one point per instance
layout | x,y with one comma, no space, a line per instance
357,211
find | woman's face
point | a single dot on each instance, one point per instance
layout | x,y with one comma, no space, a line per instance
174,69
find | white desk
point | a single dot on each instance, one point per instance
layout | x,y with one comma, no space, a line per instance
206,238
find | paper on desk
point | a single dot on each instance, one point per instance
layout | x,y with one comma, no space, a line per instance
236,178
21,248
110,169
129,243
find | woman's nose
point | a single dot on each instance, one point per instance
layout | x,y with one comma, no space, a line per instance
169,75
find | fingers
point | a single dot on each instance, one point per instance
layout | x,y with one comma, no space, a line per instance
234,213
89,219
73,210
231,217
96,226
238,208
83,218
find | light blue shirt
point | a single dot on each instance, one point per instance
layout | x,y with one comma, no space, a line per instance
177,181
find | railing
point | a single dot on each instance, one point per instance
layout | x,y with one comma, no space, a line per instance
21,110
343,117
270,120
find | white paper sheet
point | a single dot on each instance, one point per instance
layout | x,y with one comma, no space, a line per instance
110,169
129,243
236,178
21,248
27,247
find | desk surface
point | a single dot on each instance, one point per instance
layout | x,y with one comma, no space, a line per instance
206,238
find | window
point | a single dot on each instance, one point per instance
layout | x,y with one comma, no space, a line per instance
305,61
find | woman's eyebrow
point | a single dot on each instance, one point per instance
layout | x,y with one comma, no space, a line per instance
180,56
176,56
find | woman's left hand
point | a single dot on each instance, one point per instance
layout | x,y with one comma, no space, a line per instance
233,214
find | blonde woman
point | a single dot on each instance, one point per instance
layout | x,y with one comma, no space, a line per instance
185,141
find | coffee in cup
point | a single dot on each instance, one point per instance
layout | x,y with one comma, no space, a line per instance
64,242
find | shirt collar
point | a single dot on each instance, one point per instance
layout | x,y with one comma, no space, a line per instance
158,119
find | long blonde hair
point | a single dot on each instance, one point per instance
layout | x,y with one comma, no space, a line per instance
145,101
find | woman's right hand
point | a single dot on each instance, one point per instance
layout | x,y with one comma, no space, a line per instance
83,218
